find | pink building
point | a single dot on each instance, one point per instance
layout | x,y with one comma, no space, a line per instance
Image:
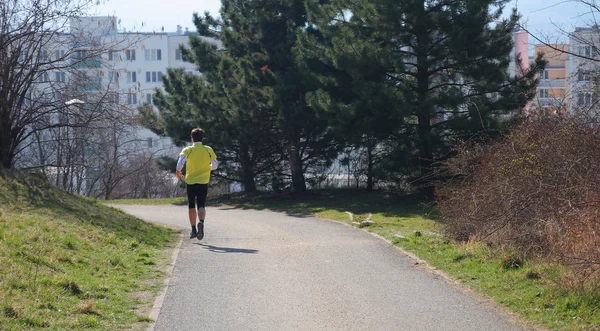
521,48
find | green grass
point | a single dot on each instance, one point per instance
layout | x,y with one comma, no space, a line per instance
536,292
72,263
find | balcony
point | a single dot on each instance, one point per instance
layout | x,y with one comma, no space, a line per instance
553,83
87,63
551,102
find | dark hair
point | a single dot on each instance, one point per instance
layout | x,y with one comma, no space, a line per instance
197,134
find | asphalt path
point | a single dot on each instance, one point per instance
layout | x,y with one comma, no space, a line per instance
259,270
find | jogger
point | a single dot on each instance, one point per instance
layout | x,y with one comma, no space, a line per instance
198,160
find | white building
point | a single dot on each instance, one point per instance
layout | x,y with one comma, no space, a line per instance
584,68
94,67
136,68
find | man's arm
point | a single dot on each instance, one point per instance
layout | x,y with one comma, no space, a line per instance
214,163
180,164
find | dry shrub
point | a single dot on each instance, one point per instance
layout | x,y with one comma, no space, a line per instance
537,191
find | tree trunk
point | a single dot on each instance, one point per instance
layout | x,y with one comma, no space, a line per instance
425,108
298,182
370,183
6,142
247,173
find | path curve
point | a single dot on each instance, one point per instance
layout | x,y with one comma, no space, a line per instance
258,270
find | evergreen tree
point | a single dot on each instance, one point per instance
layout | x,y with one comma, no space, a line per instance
221,101
438,70
251,89
274,32
351,96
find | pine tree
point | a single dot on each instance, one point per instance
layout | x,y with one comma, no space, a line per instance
221,101
361,110
439,69
274,32
251,89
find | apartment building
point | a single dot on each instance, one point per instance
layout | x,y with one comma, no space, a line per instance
584,68
95,70
553,90
136,68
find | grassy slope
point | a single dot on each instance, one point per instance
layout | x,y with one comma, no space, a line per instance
534,291
70,263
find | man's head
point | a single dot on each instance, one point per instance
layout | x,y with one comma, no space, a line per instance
197,135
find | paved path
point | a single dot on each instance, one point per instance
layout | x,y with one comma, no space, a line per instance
258,270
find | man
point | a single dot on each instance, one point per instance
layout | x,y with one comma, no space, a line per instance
199,160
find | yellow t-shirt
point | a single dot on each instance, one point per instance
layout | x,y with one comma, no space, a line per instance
197,163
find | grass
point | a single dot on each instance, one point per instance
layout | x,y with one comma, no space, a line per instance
68,262
539,293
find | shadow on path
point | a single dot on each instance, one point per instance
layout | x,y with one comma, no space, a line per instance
217,249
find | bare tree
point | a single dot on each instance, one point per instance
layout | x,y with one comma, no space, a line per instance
50,54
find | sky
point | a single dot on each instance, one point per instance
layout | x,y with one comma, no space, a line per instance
541,17
156,14
551,20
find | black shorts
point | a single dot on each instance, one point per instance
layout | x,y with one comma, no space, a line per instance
197,192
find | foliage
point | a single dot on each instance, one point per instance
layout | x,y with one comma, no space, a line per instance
535,191
415,74
250,95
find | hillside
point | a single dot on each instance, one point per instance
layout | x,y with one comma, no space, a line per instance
68,262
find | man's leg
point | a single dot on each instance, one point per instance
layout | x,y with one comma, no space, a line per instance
201,213
202,193
191,191
192,212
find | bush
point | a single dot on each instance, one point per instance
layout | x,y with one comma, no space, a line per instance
537,190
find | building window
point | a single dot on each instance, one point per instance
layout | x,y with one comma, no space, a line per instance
131,98
583,77
43,56
60,77
584,99
545,74
544,93
59,54
153,76
44,77
150,141
80,54
130,54
149,98
131,77
588,51
177,54
153,55
111,55
113,76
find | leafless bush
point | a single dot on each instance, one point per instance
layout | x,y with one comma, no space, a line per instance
538,191
147,181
